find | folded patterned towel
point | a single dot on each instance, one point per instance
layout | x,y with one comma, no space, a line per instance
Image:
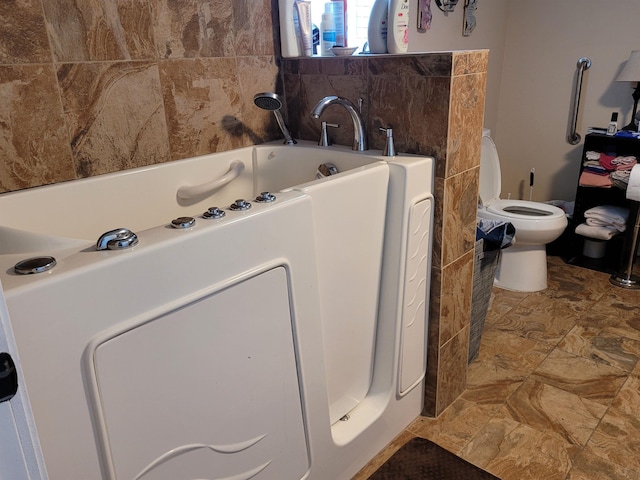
608,215
624,160
624,166
601,233
591,155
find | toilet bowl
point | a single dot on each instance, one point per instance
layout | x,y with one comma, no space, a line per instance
523,266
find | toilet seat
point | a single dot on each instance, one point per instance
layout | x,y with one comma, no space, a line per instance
511,208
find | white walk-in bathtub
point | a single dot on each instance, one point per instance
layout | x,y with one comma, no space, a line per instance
282,341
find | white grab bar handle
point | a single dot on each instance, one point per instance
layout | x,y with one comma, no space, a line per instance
187,192
574,137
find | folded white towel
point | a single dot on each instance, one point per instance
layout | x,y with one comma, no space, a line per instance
608,214
599,223
591,231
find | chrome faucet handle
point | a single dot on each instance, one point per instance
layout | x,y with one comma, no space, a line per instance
359,130
389,148
324,139
117,239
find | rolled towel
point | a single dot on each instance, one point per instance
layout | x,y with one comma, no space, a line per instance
608,214
600,233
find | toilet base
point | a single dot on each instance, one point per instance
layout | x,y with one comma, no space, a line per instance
523,268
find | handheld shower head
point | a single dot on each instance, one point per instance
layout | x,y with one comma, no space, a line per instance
267,101
272,103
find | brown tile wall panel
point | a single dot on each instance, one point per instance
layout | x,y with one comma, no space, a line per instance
115,115
465,125
433,342
254,27
28,107
203,105
194,28
460,204
431,65
258,74
470,61
452,371
313,88
417,109
448,331
455,297
23,33
84,30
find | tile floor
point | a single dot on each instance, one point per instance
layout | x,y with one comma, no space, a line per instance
555,390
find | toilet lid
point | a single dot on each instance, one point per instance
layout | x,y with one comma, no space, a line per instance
490,181
524,210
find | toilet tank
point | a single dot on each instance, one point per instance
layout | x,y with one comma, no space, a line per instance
490,175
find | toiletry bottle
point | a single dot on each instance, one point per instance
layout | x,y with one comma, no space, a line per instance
398,33
327,33
612,129
378,23
291,44
302,8
316,38
337,7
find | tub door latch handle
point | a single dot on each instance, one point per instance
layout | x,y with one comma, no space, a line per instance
8,377
117,239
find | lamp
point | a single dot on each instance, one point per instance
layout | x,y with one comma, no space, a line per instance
631,73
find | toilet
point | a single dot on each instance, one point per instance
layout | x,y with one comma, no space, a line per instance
523,266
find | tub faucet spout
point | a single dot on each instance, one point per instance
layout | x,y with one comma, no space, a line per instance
359,133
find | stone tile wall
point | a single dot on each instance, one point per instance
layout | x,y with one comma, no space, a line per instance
435,104
96,86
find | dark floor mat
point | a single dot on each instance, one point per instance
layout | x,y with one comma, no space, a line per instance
421,459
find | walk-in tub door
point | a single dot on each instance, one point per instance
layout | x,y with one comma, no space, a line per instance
20,456
183,394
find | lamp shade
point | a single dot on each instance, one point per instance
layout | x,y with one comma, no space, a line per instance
631,70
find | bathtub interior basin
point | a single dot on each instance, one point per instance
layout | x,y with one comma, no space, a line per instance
54,216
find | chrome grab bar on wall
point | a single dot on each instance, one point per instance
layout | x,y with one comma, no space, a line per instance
574,138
